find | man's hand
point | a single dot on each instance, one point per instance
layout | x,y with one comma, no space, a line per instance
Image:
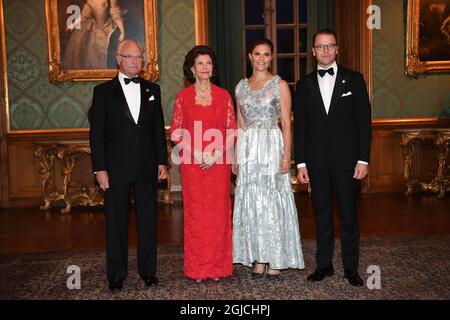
361,171
162,172
102,179
302,175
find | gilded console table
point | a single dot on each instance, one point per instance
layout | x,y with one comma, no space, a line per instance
439,137
72,193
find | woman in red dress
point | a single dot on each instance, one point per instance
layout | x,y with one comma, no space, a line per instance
203,128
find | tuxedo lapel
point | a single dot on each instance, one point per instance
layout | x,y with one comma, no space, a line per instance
121,100
144,100
313,85
339,86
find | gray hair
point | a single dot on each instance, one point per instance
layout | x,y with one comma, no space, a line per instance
126,41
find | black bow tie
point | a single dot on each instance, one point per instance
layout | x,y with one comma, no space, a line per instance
128,80
323,71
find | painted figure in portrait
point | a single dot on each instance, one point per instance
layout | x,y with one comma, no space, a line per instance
101,25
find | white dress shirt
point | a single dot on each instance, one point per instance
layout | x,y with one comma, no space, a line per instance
132,92
326,86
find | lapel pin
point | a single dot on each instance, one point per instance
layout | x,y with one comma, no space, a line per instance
343,81
147,90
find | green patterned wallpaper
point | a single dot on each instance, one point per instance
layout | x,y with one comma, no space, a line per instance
177,37
35,103
396,95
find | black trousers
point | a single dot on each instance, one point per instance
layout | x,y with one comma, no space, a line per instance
117,203
323,184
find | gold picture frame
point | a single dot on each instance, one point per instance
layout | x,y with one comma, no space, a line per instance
427,47
68,41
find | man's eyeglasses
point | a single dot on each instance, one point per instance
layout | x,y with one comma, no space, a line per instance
322,47
130,57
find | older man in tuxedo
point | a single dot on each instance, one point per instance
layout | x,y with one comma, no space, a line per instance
128,148
332,132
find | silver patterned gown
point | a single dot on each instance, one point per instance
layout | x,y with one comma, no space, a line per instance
265,222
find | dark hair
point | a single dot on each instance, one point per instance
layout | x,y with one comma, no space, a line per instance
260,41
189,61
324,31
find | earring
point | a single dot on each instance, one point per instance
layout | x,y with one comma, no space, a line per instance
193,73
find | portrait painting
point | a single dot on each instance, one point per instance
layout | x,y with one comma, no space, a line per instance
428,36
83,37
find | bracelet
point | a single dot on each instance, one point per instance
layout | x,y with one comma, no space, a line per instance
285,160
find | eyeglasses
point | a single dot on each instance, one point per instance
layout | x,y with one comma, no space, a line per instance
322,47
130,57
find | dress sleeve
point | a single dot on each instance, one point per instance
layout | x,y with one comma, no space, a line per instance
231,130
176,127
231,117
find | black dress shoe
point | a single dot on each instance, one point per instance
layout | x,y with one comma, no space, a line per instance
354,279
115,285
150,281
319,274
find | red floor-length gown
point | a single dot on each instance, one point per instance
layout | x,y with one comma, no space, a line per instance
206,192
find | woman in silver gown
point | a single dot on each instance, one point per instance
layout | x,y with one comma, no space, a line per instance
265,223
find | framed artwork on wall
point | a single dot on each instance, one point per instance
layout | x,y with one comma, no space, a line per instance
83,35
428,37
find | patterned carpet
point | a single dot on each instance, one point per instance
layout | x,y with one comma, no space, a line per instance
411,268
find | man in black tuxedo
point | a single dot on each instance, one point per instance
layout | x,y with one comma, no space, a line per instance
128,148
332,131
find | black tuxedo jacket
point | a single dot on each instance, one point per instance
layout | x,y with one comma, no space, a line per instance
124,149
337,139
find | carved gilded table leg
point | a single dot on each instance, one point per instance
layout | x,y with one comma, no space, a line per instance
164,195
67,166
46,156
406,141
167,198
